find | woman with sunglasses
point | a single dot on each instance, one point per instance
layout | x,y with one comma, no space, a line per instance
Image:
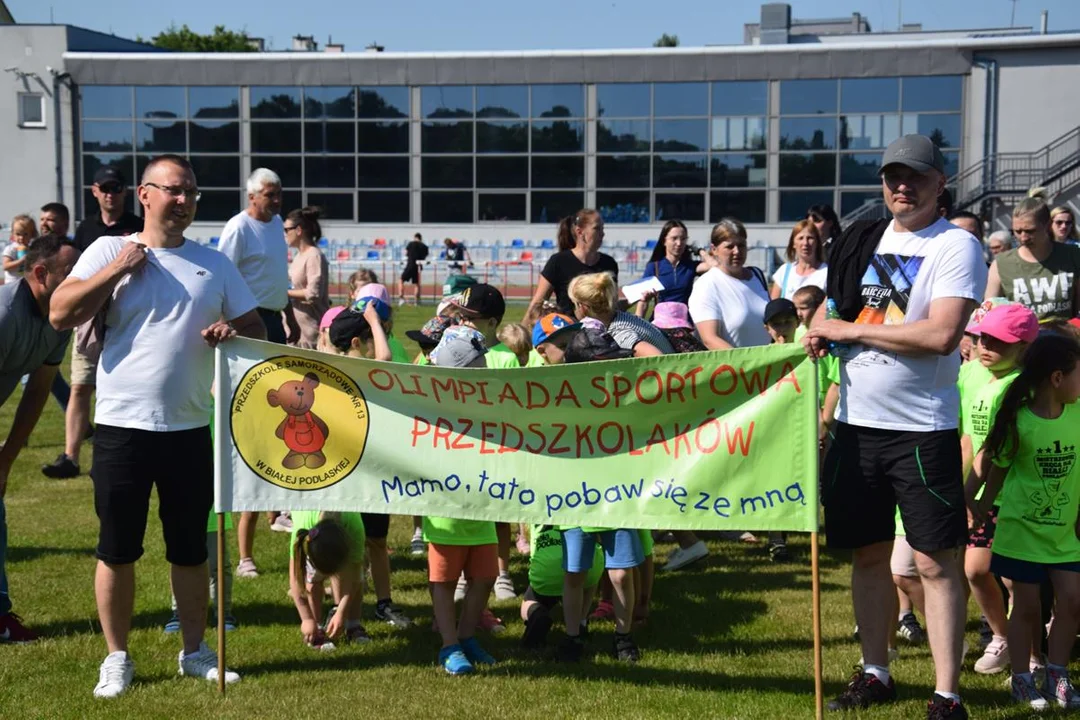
1063,225
309,274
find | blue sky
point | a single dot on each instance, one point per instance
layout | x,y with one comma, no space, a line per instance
435,25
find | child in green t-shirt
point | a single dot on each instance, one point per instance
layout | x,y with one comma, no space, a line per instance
546,576
1001,334
1032,448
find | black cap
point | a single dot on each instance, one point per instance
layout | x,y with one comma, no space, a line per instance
107,174
780,306
432,331
917,152
347,325
482,301
591,344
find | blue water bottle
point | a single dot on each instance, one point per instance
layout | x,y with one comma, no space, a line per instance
831,313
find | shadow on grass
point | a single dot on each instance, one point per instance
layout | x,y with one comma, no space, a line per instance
29,554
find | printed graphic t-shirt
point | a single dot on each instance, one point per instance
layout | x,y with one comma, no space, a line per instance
546,561
1047,288
980,398
1041,495
907,273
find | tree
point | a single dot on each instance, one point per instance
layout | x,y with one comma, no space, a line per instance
666,40
184,39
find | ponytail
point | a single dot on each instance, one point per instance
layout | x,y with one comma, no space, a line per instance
300,560
307,218
566,238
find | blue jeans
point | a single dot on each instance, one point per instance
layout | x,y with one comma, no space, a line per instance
5,601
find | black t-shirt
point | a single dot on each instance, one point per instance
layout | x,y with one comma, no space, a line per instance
456,252
562,267
92,228
414,251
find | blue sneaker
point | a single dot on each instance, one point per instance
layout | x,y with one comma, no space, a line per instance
476,654
173,625
453,660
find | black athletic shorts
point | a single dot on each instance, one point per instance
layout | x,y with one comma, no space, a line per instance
275,326
868,472
411,273
127,464
376,525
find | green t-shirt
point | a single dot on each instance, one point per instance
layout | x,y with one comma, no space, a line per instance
500,356
546,561
351,521
1040,498
828,369
448,531
397,350
422,360
980,398
1047,287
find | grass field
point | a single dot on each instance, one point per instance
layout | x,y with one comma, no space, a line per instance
729,638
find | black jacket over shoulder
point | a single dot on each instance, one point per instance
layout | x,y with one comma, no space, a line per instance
849,257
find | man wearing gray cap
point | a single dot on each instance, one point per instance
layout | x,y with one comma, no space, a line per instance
900,292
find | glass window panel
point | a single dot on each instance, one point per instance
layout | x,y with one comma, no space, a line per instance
502,101
454,137
501,207
746,205
550,207
218,205
740,98
106,101
279,137
161,136
807,97
807,133
446,101
738,133
216,170
383,137
679,171
793,204
290,200
860,169
807,170
558,101
502,137
733,170
864,132
335,206
681,135
330,137
929,94
271,103
558,172
376,171
90,204
502,172
210,136
909,124
870,95
628,171
944,130
952,163
214,102
446,207
623,135
329,172
558,136
95,161
623,206
680,100
852,201
287,168
383,207
623,99
107,136
680,206
446,172
330,102
383,102
163,101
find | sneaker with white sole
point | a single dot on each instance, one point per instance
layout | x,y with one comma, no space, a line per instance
911,630
504,588
172,625
995,658
390,613
1060,690
1025,693
282,524
417,546
116,674
247,569
461,589
681,557
203,663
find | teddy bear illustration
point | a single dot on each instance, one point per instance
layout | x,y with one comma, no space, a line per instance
303,432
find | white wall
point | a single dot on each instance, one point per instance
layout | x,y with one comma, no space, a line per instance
1038,99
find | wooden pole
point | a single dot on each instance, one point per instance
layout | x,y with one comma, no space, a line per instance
221,602
815,579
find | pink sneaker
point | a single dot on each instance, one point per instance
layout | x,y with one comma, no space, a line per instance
490,623
523,545
604,611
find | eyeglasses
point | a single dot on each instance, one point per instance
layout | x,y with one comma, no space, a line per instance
175,191
1063,222
111,188
289,228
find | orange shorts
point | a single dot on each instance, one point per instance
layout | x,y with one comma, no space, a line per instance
446,562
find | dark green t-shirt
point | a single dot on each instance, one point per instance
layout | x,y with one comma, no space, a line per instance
1047,288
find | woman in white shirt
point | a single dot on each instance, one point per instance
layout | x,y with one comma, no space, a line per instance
805,262
728,302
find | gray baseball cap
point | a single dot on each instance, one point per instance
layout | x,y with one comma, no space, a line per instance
460,346
917,152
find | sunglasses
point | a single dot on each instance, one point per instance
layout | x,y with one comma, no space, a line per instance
111,188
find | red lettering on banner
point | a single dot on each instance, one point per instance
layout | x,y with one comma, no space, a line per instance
581,435
658,396
504,447
566,394
788,376
484,435
381,373
735,439
483,393
755,381
634,450
465,390
416,389
532,404
609,449
599,384
621,387
657,438
445,386
459,441
509,394
673,389
691,378
732,377
560,431
534,428
417,431
442,431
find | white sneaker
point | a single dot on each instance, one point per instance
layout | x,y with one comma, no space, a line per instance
282,524
681,557
504,588
115,675
247,569
203,663
461,589
995,658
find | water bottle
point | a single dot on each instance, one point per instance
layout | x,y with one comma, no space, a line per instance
831,313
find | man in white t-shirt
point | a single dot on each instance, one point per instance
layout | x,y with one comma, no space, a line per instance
904,294
170,302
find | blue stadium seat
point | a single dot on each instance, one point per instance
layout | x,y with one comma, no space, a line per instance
547,244
650,243
517,242
214,240
324,243
372,254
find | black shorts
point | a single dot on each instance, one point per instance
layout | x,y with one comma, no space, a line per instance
376,525
127,464
275,327
868,472
1026,571
411,273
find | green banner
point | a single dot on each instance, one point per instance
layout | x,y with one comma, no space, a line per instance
717,440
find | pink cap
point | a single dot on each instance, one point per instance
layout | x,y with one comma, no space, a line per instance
374,290
669,315
1008,323
328,317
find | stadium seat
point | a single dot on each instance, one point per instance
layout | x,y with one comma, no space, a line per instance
343,255
372,254
214,241
380,242
324,243
526,256
517,242
650,243
547,244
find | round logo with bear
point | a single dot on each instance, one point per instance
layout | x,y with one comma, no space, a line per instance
299,424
